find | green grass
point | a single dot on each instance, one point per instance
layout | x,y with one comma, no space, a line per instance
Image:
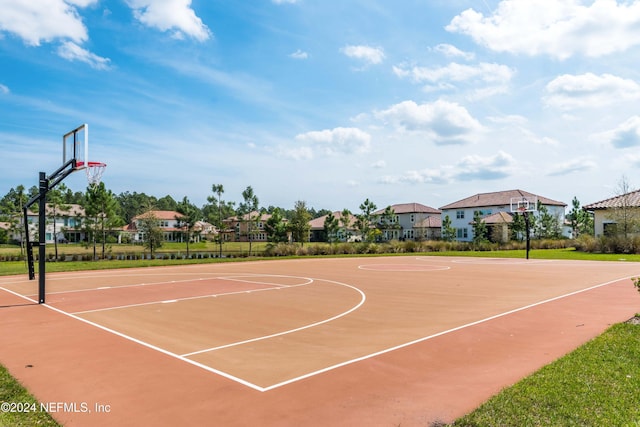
24,410
595,385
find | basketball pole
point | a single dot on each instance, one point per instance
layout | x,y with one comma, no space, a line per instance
526,222
44,185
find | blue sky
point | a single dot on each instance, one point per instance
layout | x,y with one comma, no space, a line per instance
330,102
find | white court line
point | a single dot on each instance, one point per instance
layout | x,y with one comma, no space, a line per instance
232,277
458,328
118,307
145,344
332,367
290,331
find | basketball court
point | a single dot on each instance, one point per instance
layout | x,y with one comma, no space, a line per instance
352,341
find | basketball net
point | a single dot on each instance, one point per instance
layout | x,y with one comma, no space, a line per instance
94,171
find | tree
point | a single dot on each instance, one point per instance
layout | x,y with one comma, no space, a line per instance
625,214
345,221
299,224
448,232
217,211
388,222
11,206
276,227
149,226
248,211
101,209
480,231
364,221
189,216
331,228
547,226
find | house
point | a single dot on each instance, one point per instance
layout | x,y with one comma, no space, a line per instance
238,229
609,214
64,224
346,233
168,221
410,221
462,212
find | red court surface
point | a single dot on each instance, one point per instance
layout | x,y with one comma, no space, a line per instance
382,341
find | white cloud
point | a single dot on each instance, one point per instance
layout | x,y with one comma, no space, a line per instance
368,54
453,52
495,78
73,52
475,167
442,122
589,90
44,20
299,54
165,15
624,136
4,89
574,165
469,168
380,164
560,28
338,140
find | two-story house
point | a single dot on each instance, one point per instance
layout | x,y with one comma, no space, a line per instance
64,224
410,221
246,227
346,232
461,213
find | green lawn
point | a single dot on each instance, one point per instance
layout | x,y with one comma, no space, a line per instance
18,408
596,385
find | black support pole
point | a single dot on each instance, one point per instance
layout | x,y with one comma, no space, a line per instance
526,222
42,235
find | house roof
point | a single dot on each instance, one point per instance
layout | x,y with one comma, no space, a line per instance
631,199
498,198
71,210
253,215
318,223
434,221
403,208
498,218
166,215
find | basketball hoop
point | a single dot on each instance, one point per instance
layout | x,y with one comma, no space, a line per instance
94,171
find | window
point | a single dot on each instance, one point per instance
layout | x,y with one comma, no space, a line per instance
462,233
408,234
413,217
459,214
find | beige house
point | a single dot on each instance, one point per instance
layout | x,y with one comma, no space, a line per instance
172,229
608,214
345,233
411,221
237,229
63,225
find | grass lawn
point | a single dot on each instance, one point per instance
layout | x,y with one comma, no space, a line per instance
22,409
596,385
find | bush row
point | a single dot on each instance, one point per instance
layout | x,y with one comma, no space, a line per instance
287,249
608,244
395,247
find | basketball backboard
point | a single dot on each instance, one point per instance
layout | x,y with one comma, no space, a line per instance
75,146
524,204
